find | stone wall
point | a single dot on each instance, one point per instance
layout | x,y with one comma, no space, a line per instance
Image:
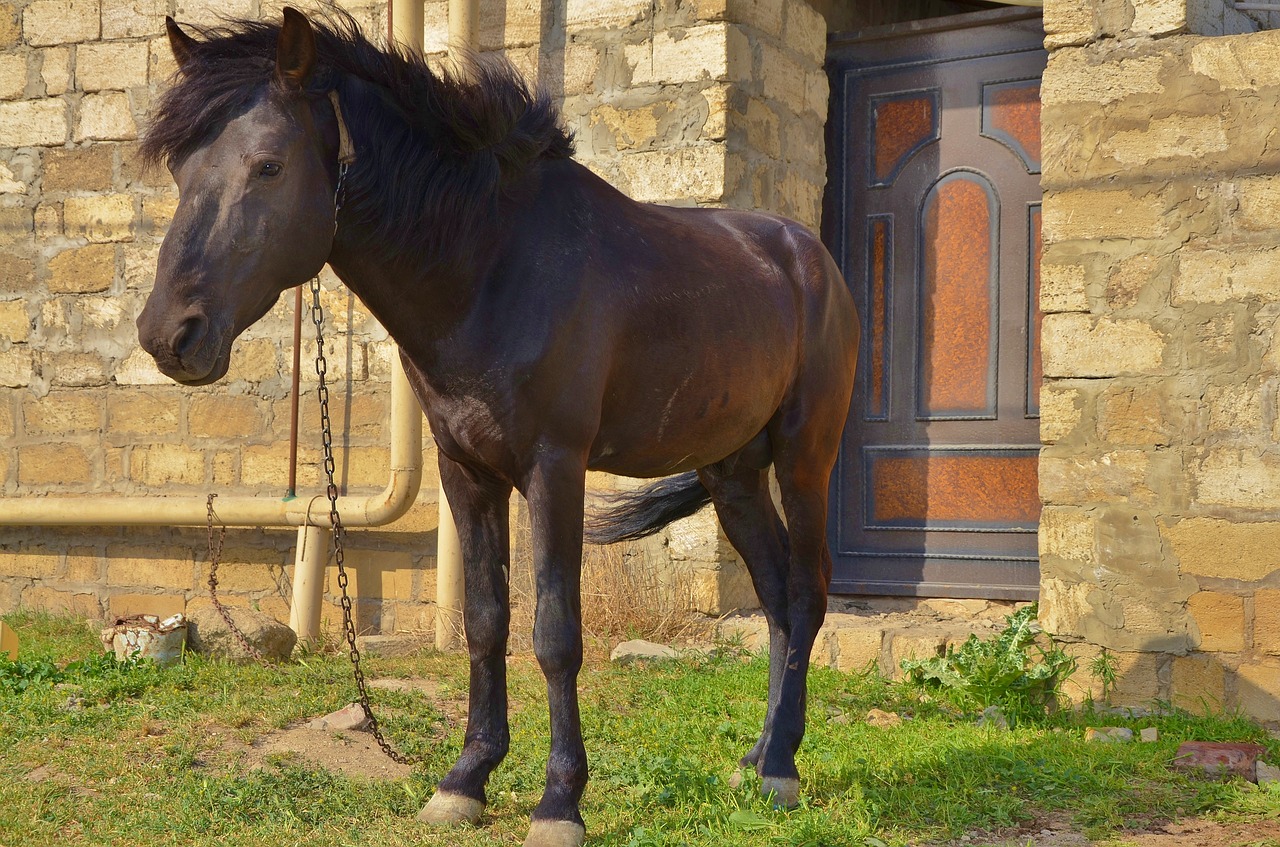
1160,536
678,101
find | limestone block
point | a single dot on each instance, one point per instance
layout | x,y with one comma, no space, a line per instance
1062,288
84,566
1221,549
1060,412
1092,214
1266,621
601,14
764,15
132,412
1256,687
858,649
763,134
78,169
581,65
1220,276
10,30
255,361
209,634
83,270
10,183
33,123
100,218
1239,64
1112,477
1129,415
1258,197
700,54
106,116
62,413
152,566
55,70
1235,478
48,221
209,12
1234,408
1220,618
693,173
13,75
30,562
1067,534
54,464
226,416
107,64
15,324
1131,278
17,368
1075,345
780,74
132,18
804,30
244,570
138,368
1137,679
1064,605
629,128
49,22
1068,23
1199,683
1074,76
123,604
15,224
515,23
76,369
1159,17
79,604
1177,136
166,464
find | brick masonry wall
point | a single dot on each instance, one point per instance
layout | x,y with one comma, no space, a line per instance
679,101
1161,344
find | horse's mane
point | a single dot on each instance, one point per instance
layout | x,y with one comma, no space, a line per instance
433,149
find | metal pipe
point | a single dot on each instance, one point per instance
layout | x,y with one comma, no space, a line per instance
308,582
294,393
382,508
464,37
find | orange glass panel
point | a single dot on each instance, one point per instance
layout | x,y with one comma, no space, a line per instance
954,491
1035,367
1011,115
957,344
902,125
881,243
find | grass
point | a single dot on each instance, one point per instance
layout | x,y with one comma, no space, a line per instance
143,758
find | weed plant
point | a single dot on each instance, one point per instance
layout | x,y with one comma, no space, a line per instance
1015,672
136,754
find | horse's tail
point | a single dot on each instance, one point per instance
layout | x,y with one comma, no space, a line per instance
631,515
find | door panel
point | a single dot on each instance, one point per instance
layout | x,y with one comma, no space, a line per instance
934,214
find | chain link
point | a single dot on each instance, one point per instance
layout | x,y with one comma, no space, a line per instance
335,521
215,556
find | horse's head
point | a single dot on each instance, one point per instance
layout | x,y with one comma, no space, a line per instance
255,213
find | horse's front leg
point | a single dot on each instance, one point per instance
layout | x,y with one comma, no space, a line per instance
555,491
480,507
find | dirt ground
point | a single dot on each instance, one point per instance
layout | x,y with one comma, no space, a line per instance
1185,833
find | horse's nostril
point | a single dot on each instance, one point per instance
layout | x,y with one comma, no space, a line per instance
190,334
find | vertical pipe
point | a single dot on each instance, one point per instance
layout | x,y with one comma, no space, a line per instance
308,582
294,392
464,32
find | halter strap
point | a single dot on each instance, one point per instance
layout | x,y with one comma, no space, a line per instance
346,150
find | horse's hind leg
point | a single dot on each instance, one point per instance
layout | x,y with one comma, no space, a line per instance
805,436
480,507
749,519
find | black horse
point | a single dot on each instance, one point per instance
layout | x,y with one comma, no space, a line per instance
549,325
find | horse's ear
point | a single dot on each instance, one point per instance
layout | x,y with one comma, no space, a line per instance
180,43
296,50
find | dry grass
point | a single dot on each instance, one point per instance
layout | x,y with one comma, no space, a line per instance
622,599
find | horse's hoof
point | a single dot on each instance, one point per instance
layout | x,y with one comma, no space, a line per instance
444,808
555,834
785,791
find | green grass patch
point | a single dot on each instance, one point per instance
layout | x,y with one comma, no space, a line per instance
106,753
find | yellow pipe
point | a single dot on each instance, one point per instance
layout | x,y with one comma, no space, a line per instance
382,508
464,29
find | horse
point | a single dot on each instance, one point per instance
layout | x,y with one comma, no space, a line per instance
548,324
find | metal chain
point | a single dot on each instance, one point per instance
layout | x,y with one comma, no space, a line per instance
215,556
335,520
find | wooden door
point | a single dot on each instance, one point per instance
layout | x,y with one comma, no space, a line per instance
934,214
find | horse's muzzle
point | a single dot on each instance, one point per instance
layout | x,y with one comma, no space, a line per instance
194,352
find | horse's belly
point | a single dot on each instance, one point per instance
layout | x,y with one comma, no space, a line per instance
648,435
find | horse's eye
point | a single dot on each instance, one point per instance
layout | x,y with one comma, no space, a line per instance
270,169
